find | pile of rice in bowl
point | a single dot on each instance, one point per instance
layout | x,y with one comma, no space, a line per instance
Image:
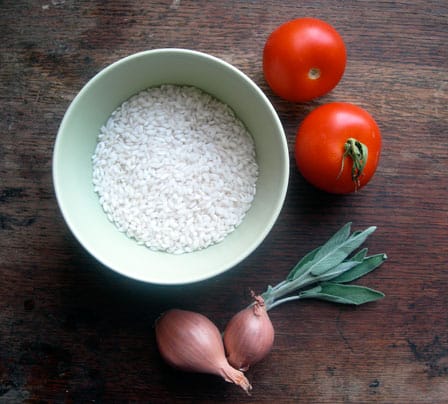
175,169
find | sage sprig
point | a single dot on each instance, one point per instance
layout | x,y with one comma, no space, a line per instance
324,272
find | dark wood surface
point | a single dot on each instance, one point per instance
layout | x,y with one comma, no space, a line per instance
71,331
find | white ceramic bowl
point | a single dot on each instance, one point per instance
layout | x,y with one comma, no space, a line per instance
77,138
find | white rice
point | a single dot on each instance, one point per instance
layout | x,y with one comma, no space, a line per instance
175,169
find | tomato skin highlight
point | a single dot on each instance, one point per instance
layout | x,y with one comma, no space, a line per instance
304,59
320,141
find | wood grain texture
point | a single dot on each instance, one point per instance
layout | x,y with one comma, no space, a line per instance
73,332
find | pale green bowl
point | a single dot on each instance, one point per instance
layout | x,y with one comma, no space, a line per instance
76,141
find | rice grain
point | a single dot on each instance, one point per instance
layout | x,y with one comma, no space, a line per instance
175,169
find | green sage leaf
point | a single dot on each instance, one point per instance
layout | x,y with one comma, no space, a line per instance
345,294
338,270
360,255
344,266
332,254
339,238
303,265
309,259
367,265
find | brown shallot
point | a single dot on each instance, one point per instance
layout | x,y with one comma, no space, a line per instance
190,342
249,335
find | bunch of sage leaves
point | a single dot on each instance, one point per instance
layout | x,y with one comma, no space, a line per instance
325,272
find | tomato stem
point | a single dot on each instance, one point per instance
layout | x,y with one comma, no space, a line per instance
314,73
358,152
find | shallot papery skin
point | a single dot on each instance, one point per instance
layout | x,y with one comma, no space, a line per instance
191,342
249,336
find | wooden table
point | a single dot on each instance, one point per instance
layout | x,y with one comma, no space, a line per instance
72,331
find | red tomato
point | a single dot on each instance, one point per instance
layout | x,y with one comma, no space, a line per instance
304,59
338,147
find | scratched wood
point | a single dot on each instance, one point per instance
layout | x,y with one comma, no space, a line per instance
73,332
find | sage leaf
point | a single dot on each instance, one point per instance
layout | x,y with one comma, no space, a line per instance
359,256
339,238
345,294
303,265
309,259
344,266
331,254
338,270
363,268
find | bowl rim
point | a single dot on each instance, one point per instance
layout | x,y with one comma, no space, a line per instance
280,197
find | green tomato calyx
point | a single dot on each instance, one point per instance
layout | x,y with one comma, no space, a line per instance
358,153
